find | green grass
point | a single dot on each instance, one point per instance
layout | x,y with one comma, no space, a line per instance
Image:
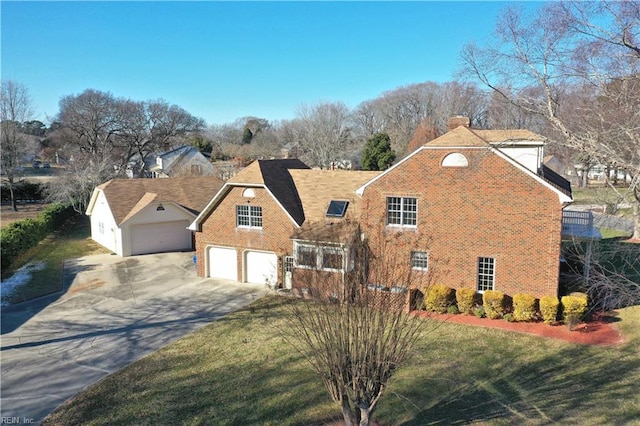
238,371
613,233
598,195
71,241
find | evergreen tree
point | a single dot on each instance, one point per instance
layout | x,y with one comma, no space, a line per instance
377,153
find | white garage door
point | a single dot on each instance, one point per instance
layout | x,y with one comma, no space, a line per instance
160,237
261,268
223,263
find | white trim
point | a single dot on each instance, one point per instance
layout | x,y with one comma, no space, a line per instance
419,268
319,252
401,211
493,275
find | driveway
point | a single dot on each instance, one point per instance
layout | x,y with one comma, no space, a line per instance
113,312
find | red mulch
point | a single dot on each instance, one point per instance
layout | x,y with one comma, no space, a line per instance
599,332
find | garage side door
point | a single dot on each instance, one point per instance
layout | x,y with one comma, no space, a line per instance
223,263
261,268
160,237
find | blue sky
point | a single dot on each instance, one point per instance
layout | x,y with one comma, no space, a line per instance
225,60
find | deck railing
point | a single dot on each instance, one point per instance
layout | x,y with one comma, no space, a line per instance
578,224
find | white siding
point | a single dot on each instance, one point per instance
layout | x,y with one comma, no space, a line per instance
103,226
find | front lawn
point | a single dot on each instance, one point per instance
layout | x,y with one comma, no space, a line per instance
238,371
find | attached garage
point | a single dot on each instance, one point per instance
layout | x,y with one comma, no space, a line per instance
261,267
160,237
223,263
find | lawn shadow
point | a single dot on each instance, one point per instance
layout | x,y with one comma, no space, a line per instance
558,388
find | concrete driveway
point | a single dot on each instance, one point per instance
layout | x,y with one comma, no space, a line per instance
112,312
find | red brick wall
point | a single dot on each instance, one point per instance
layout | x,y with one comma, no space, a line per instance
488,209
220,229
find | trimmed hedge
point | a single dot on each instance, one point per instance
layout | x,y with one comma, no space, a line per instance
549,308
524,307
574,307
20,236
438,298
465,299
492,300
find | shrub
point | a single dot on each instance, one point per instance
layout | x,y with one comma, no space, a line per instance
20,236
453,310
508,317
478,311
464,298
492,301
549,308
524,307
573,309
438,298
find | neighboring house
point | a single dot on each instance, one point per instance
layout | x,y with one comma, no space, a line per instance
472,208
182,161
138,216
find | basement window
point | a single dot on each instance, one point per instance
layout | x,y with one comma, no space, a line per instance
337,208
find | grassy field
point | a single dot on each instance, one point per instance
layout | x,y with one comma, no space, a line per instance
238,371
72,240
599,195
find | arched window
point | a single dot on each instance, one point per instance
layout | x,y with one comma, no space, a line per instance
248,193
455,159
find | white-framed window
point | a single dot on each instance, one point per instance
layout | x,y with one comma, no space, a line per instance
306,256
402,211
248,216
486,274
326,258
455,159
332,259
420,260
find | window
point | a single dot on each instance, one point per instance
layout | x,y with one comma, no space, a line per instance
332,258
196,169
419,260
101,228
337,208
324,258
402,211
249,216
486,273
306,256
455,160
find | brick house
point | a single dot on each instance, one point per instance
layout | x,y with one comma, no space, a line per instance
472,208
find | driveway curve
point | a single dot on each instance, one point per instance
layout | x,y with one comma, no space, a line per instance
112,312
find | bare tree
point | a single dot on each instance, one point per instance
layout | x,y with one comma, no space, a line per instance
153,126
607,270
75,184
323,132
571,50
15,109
354,335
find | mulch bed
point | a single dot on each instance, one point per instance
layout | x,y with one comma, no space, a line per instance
599,332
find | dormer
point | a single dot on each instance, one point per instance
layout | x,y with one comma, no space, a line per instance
529,153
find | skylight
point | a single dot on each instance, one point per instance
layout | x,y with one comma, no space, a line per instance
337,208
